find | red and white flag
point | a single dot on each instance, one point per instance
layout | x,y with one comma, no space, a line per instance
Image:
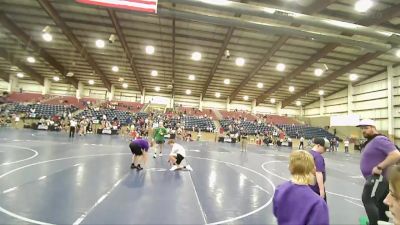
149,6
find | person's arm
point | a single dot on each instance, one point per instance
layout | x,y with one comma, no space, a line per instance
320,181
392,158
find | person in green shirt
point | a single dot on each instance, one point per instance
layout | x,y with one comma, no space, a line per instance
159,138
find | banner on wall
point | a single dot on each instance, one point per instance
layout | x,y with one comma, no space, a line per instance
149,6
344,120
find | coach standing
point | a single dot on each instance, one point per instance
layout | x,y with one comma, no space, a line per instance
379,153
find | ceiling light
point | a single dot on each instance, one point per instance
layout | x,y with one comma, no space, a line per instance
150,50
272,100
154,73
125,85
188,92
239,61
318,72
120,79
398,53
321,92
280,67
70,74
260,85
31,59
192,77
20,75
91,82
56,78
217,94
100,43
353,77
245,97
13,68
291,88
363,5
227,81
115,68
196,56
157,88
47,37
298,103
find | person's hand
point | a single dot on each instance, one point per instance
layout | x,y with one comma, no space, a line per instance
376,171
322,193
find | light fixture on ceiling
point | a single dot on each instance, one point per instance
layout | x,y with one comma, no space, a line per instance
321,92
56,78
227,54
217,94
91,82
192,77
245,97
353,77
326,67
196,56
46,34
154,73
227,81
100,43
150,49
240,61
188,92
318,72
13,68
298,103
125,85
120,79
70,74
31,59
272,100
398,53
363,5
280,67
260,85
111,39
115,68
291,88
20,75
157,88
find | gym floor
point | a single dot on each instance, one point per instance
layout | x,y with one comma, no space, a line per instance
48,178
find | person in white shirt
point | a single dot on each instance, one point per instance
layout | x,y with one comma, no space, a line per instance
301,145
175,158
346,145
72,125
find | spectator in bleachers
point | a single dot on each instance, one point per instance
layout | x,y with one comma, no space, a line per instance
4,98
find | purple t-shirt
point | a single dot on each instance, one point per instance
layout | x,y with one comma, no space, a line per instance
298,204
375,152
144,144
320,167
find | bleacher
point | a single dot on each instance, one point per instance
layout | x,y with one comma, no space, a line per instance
308,132
129,106
25,97
63,100
41,110
196,112
249,127
110,113
275,119
237,114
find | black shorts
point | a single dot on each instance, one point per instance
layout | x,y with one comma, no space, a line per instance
135,149
179,159
160,142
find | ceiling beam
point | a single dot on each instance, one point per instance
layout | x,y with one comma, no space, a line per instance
5,76
227,38
173,57
277,45
24,68
381,17
358,62
317,6
50,10
121,38
28,42
321,54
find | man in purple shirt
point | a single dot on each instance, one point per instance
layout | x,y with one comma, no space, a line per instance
294,202
321,144
379,153
139,149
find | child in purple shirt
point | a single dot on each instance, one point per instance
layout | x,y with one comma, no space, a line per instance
320,147
294,202
139,149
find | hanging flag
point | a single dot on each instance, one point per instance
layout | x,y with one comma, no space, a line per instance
149,6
